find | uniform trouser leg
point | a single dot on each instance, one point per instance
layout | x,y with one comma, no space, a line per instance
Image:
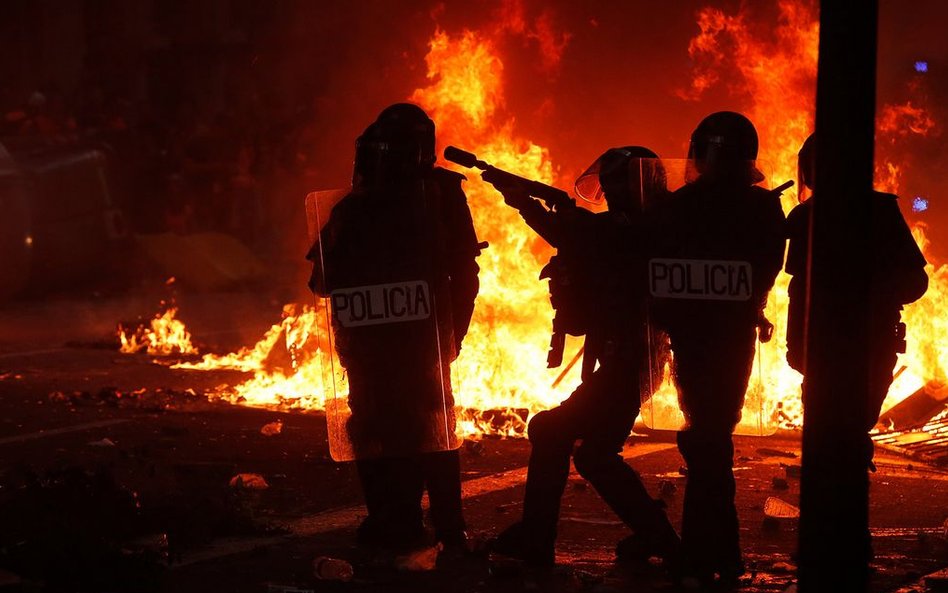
613,391
599,461
443,478
709,526
551,443
392,489
712,371
834,491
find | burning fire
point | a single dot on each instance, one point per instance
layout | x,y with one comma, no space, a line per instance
164,335
501,368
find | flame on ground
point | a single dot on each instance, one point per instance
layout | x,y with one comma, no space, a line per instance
164,335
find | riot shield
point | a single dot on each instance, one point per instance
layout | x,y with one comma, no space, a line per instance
389,343
698,278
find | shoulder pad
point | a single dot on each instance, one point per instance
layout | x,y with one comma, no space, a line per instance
883,196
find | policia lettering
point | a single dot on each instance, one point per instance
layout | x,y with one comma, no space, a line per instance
381,303
700,279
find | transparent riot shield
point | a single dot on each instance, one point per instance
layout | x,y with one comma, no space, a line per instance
699,272
389,340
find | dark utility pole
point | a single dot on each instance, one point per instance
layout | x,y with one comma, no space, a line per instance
834,493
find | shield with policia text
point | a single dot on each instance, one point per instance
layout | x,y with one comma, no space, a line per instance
698,277
389,344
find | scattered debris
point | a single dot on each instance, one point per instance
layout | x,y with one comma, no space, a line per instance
780,484
272,428
249,482
792,470
765,452
142,399
785,567
333,569
667,487
474,447
422,560
925,441
918,408
780,509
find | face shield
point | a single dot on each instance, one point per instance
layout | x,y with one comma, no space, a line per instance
622,174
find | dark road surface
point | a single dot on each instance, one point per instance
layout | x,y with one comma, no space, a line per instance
178,452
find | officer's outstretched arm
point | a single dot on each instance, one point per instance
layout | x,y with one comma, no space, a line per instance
543,222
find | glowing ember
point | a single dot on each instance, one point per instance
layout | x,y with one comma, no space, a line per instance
164,335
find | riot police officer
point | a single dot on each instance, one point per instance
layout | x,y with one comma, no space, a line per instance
397,259
598,255
719,244
898,278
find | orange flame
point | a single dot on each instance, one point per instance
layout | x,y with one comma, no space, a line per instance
164,335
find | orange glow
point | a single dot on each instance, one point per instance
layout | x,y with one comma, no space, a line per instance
502,365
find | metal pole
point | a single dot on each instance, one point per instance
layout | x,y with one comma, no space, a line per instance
834,496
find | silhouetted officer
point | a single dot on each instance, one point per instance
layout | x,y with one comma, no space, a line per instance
719,244
405,235
599,254
898,278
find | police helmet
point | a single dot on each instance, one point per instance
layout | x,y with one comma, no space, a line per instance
723,144
398,146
